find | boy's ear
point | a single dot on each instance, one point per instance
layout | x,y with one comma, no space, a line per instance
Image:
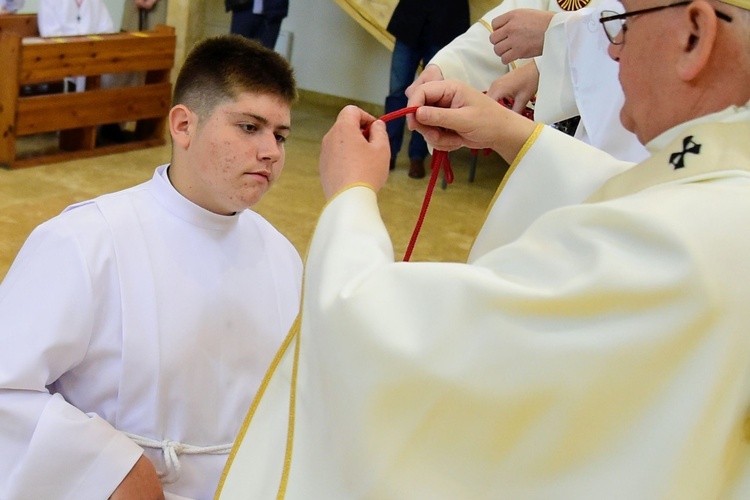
698,37
181,125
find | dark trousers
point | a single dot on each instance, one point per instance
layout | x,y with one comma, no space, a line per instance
256,26
404,64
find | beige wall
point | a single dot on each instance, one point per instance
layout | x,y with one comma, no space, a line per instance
331,54
187,18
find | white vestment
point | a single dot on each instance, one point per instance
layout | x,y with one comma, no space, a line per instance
570,83
138,312
577,77
471,58
66,18
599,350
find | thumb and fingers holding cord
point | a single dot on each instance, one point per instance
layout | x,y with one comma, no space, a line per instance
448,129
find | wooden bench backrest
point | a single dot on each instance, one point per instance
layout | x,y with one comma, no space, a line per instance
35,60
20,24
55,58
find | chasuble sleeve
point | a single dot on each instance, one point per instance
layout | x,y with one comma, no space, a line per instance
545,369
541,179
470,58
51,449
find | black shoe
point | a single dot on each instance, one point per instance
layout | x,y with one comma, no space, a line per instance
416,169
112,133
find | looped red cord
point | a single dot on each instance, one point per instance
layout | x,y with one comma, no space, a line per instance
439,158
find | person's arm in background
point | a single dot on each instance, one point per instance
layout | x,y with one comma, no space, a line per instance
145,4
520,86
468,58
11,6
519,34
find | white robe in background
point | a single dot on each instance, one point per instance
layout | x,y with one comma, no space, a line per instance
569,84
599,350
136,312
66,18
577,77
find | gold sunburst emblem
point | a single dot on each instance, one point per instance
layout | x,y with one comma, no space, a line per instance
570,5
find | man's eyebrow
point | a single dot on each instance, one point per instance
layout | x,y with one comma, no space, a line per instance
261,119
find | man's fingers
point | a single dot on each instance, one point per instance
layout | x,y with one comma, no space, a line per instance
352,116
519,104
497,37
439,117
501,21
509,56
378,133
503,49
439,94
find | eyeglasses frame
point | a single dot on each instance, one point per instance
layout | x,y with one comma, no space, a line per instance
613,40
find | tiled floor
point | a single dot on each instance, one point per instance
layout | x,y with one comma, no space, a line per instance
31,195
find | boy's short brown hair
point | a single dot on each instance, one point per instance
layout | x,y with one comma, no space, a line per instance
222,67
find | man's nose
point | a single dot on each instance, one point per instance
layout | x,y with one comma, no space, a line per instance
614,50
269,148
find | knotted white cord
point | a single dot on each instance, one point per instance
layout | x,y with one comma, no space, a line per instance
173,449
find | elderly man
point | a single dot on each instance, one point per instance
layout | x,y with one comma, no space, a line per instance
594,346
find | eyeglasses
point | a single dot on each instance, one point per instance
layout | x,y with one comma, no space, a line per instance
614,23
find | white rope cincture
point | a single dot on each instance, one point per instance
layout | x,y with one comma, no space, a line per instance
173,449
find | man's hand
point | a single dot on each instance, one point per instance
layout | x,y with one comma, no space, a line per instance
431,73
519,34
454,115
347,157
141,483
520,85
145,4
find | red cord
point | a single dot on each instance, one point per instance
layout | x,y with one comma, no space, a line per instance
391,116
438,158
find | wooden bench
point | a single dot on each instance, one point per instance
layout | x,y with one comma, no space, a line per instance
75,116
22,24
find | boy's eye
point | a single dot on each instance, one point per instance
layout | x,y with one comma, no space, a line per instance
280,139
248,127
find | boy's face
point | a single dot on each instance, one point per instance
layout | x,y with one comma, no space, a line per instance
237,152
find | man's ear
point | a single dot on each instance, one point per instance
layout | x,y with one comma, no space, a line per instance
182,123
697,39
